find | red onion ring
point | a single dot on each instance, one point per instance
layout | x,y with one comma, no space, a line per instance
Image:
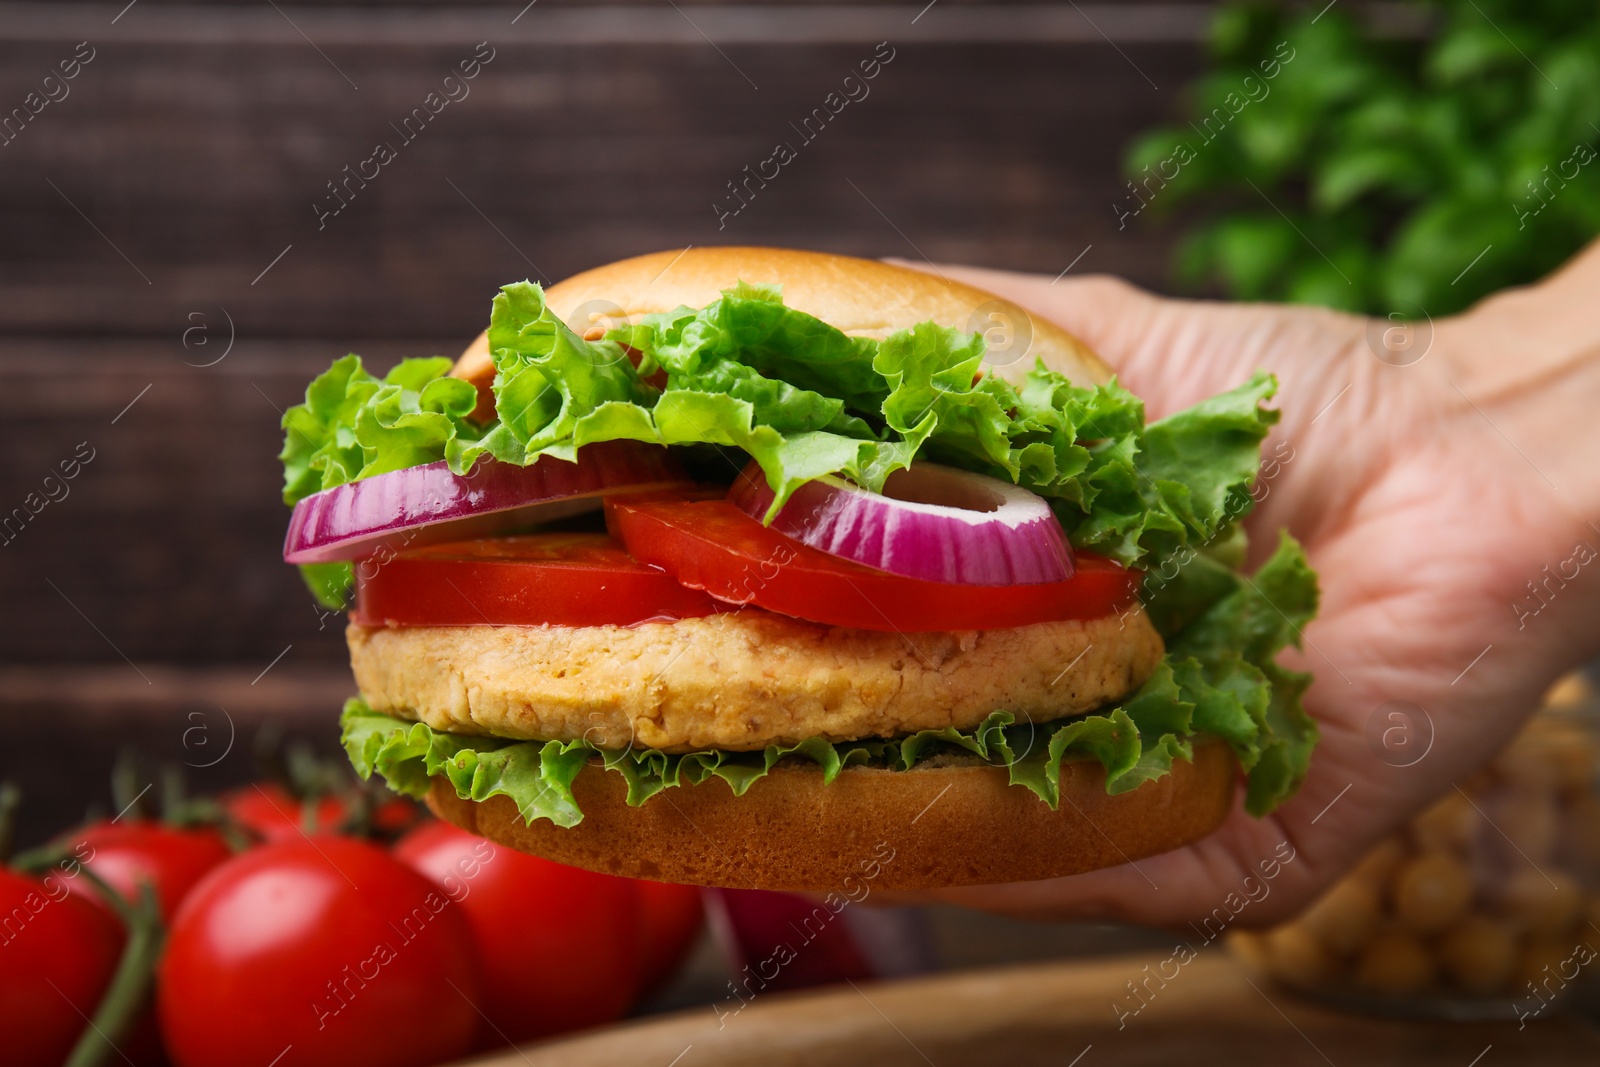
930,522
429,504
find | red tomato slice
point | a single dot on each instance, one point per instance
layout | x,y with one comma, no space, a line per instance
712,545
565,579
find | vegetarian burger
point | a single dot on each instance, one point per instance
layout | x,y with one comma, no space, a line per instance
742,567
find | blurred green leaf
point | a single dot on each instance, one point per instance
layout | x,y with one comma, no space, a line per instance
1250,251
1467,51
1238,30
1442,246
1365,170
1272,141
1321,283
1401,159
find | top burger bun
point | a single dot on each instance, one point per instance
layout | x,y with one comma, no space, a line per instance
862,297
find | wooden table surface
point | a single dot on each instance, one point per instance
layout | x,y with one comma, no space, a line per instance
1064,1014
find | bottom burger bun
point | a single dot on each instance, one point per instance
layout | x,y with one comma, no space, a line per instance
928,827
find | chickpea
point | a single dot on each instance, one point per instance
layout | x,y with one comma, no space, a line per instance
1569,690
1575,760
1546,903
1555,756
1380,864
1344,916
1580,835
1560,915
1296,957
1251,948
1395,963
1450,824
1479,954
1432,892
1529,821
1525,763
1540,965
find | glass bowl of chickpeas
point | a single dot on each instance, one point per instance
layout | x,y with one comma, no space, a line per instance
1487,905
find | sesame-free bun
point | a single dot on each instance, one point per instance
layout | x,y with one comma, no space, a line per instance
952,821
862,297
928,827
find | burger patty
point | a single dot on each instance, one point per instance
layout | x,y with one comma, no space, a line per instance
742,680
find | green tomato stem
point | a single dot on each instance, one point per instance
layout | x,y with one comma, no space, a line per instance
130,985
10,800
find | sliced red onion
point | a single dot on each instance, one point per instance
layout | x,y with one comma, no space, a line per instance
930,522
431,504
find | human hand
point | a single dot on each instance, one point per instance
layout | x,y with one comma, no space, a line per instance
1429,486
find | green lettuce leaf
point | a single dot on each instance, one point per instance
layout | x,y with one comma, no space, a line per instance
352,425
1219,679
1235,644
329,583
804,400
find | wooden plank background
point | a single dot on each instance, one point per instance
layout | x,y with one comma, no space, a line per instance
166,200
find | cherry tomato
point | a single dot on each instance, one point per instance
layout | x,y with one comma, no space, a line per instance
396,815
127,853
565,579
274,814
820,952
559,946
670,917
57,955
318,952
712,545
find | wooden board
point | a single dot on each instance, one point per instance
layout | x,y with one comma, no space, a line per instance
1060,1014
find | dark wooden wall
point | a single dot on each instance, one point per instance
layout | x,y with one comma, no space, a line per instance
196,141
167,200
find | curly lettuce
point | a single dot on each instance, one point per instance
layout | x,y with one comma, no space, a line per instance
353,425
804,400
1219,678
